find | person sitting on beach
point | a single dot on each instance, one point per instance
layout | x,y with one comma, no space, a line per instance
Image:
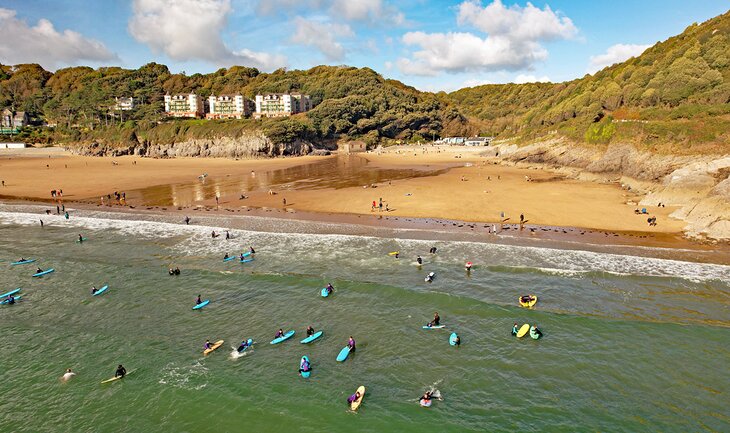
419,260
243,346
207,345
198,301
353,398
121,371
436,320
329,288
351,344
310,331
279,333
225,257
93,289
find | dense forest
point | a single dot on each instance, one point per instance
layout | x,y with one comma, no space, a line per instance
675,97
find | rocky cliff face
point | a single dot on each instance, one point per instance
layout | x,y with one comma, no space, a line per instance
699,186
247,146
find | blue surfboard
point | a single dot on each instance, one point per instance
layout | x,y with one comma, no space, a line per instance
12,292
23,262
6,301
202,304
40,274
344,353
247,260
100,291
452,338
312,337
249,342
305,374
286,336
325,293
228,259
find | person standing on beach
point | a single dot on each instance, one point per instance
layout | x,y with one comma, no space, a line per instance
372,209
380,204
187,220
283,200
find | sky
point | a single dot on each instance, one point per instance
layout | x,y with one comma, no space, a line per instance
432,45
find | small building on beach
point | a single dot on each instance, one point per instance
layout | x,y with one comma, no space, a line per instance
478,141
13,146
353,147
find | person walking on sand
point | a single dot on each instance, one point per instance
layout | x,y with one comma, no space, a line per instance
372,209
380,204
283,200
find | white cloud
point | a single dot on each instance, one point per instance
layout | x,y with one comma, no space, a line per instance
366,10
512,42
474,82
388,65
191,30
615,54
42,43
321,36
527,78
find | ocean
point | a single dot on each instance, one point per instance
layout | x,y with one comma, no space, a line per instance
631,343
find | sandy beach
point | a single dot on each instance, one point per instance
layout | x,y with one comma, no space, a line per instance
467,187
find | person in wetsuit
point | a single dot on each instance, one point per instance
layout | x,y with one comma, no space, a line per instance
419,260
121,371
436,319
310,331
243,346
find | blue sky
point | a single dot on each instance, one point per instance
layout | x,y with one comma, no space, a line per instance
432,45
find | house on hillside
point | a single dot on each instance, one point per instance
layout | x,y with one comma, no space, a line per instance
6,121
281,104
228,107
478,141
16,120
190,105
123,104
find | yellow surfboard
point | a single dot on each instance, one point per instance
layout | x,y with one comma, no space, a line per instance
393,253
523,330
213,347
528,304
115,378
355,404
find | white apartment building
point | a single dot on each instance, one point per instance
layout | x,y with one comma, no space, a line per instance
281,104
228,107
184,105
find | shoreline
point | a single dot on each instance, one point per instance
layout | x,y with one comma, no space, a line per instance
654,245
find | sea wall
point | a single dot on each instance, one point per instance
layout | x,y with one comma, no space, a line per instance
251,145
697,186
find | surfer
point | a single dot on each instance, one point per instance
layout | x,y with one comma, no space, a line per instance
93,289
429,277
351,344
426,398
11,299
242,256
419,260
304,367
396,255
457,340
228,235
279,333
329,288
432,250
310,331
22,259
514,329
243,346
207,345
526,299
68,375
436,319
121,372
198,301
225,257
177,271
214,234
251,250
38,271
354,397
171,271
81,238
187,220
535,331
467,266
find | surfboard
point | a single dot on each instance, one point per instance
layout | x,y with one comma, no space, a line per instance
356,404
228,259
213,347
249,342
12,292
23,262
434,327
325,293
115,378
80,240
452,338
305,374
247,260
393,253
202,304
247,254
534,335
312,337
425,403
528,304
523,330
40,274
344,353
430,277
100,291
7,301
284,337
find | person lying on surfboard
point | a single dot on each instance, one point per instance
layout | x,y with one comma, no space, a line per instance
225,257
351,344
243,346
279,333
121,371
353,398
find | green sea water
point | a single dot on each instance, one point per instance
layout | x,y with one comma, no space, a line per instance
630,344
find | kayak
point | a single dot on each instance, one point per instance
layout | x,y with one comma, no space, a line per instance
202,304
213,347
355,404
528,304
325,293
284,337
434,326
523,330
6,301
23,262
344,353
424,403
305,374
452,338
247,260
115,378
228,259
534,335
312,337
249,342
40,274
12,292
100,291
430,277
80,240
